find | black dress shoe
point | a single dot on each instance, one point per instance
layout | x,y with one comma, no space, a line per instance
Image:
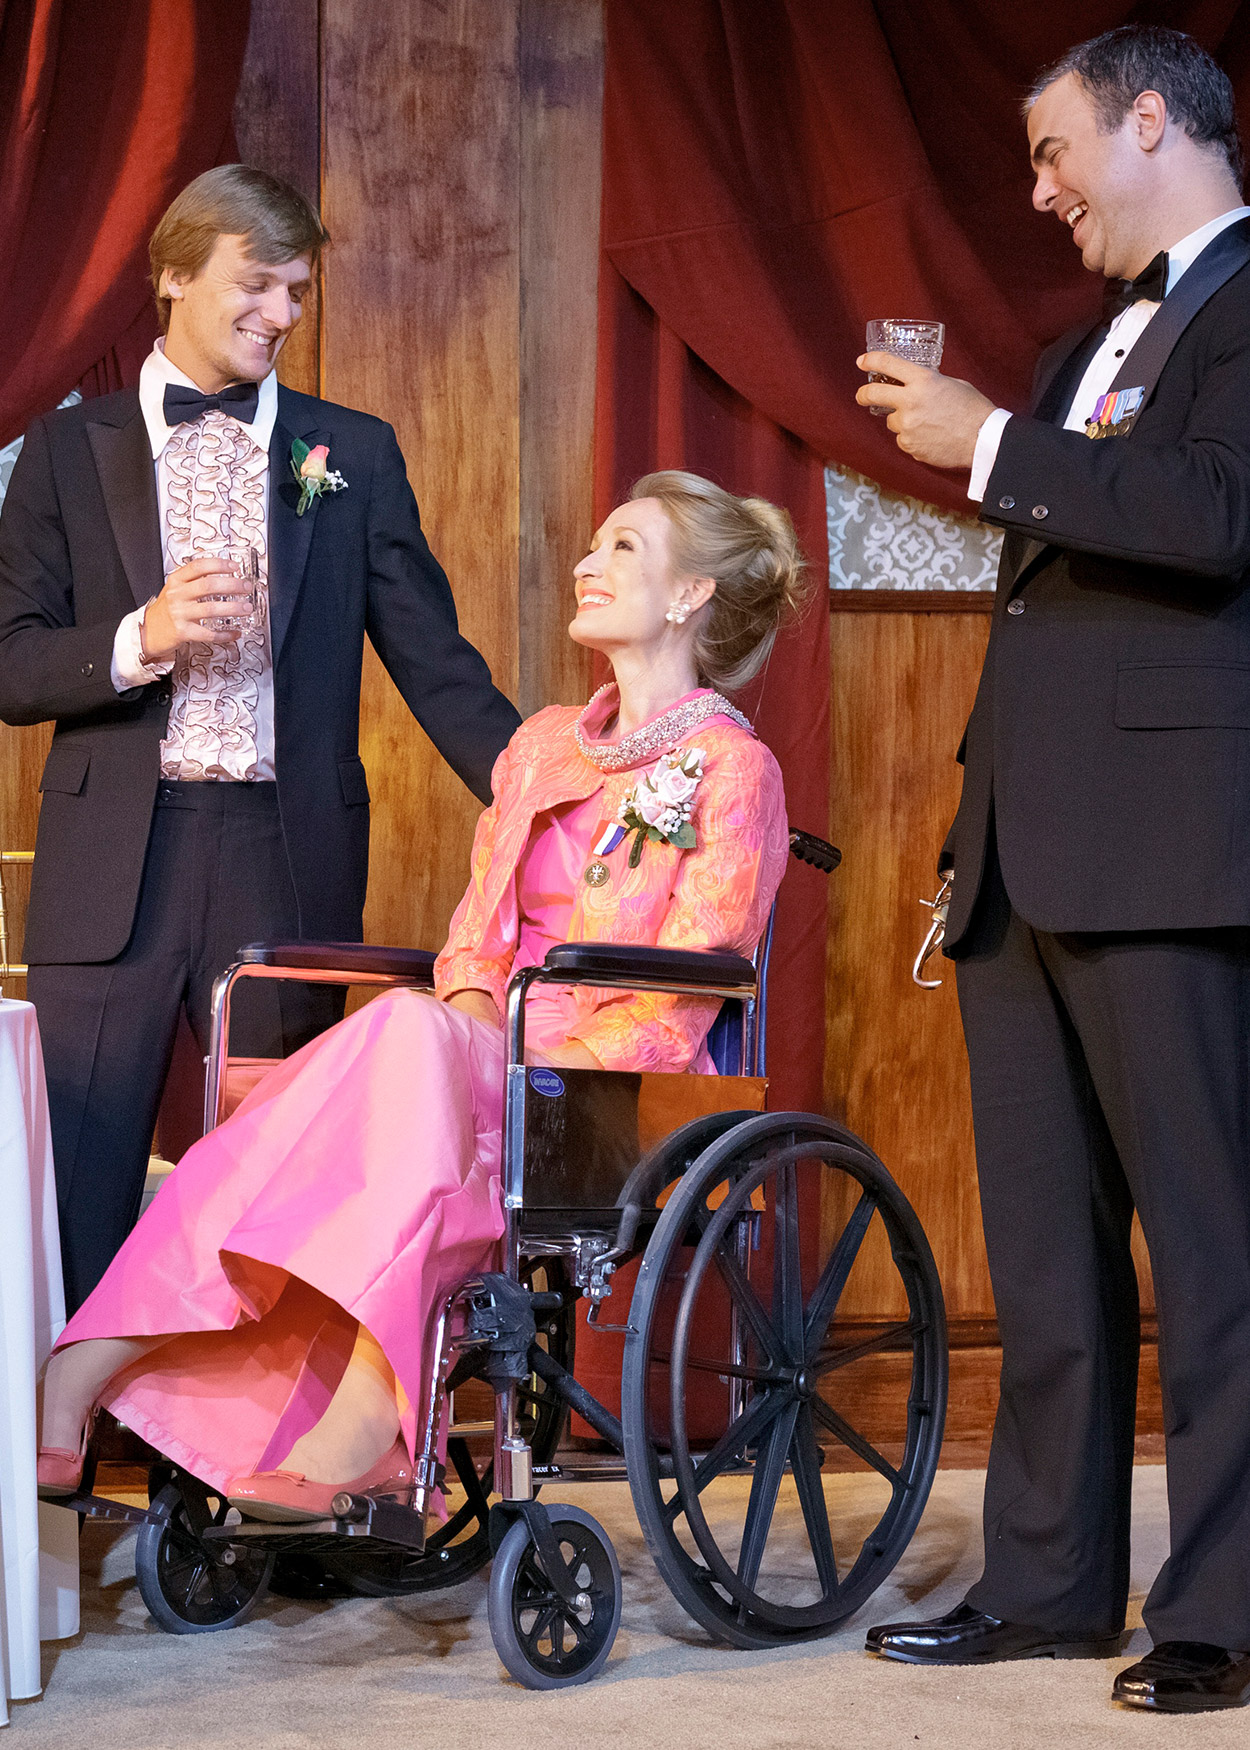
1185,1677
969,1637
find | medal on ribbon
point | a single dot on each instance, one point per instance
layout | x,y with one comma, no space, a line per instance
598,873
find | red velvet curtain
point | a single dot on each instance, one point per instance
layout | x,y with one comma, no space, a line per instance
105,113
776,172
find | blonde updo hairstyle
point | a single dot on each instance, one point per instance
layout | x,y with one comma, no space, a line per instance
748,546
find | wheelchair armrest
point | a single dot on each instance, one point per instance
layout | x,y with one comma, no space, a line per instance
589,962
818,852
413,965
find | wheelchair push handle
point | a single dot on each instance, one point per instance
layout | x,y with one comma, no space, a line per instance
818,852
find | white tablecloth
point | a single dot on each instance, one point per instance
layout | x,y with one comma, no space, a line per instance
38,1543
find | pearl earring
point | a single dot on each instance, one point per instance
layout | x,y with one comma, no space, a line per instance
676,615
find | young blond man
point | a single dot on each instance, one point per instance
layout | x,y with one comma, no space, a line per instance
204,787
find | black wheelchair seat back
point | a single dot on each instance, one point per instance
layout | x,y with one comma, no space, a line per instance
724,1040
587,1130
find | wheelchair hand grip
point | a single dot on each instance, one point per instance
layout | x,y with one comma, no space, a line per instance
818,852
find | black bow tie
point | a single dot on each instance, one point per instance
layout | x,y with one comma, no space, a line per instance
1151,282
183,406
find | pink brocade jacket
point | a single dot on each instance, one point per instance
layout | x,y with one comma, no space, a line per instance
714,896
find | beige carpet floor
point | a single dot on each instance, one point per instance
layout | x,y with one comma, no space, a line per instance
414,1673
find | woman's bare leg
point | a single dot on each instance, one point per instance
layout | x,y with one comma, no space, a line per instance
75,1378
359,1425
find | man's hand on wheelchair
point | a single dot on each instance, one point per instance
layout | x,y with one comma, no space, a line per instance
571,1055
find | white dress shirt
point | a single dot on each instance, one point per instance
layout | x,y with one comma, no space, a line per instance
1104,367
128,667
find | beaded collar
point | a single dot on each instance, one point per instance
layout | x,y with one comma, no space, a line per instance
657,737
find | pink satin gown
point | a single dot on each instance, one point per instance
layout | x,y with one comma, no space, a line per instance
360,1181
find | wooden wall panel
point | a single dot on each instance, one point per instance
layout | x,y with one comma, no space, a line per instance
277,122
561,72
22,753
460,178
419,190
896,1070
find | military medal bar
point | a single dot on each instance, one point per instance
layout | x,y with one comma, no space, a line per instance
1114,413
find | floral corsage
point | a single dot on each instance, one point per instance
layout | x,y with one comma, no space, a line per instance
660,804
309,469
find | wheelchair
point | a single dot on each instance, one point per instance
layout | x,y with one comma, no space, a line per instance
744,1231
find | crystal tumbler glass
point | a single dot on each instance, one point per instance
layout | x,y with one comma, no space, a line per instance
907,338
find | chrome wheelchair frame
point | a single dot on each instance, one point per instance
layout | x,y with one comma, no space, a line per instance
724,1196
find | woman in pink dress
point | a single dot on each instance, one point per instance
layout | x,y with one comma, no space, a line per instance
265,1325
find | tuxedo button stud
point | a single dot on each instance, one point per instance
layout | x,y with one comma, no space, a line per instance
1015,607
88,668
1006,502
1040,511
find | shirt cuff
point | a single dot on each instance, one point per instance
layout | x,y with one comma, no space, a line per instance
128,668
986,453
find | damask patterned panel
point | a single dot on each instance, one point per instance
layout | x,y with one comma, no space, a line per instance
879,540
8,455
10,452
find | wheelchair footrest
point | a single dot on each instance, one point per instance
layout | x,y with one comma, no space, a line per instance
381,1519
100,1507
380,1516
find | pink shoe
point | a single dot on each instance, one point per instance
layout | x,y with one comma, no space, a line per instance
59,1471
286,1496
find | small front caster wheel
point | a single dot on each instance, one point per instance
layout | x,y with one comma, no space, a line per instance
544,1642
190,1587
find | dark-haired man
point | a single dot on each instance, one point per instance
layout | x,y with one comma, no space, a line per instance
204,787
1101,905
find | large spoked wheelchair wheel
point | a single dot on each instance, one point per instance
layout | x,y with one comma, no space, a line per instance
545,1642
460,1547
747,1367
191,1587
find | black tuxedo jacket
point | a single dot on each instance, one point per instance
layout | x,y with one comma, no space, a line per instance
1110,738
80,547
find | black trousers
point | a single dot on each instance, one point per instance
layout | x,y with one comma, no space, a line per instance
1111,1071
215,878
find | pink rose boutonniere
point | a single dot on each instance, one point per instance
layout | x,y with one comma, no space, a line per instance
309,468
661,803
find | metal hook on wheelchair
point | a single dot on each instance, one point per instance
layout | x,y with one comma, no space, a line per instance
934,936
